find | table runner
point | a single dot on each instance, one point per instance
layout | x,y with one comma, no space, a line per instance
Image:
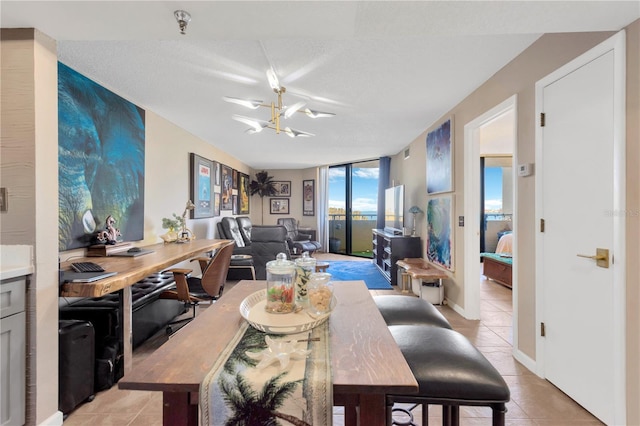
235,392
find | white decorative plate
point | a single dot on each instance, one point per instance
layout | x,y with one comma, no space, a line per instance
252,310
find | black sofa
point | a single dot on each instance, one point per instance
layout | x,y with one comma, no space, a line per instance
262,242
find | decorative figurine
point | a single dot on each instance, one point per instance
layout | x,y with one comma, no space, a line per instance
111,234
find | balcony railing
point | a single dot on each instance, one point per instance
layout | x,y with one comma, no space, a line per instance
361,236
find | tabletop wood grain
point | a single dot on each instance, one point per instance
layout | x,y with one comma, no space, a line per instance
365,358
133,269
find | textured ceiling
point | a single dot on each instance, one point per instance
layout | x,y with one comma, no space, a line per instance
388,70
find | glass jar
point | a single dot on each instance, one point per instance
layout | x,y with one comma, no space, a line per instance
320,291
281,276
305,266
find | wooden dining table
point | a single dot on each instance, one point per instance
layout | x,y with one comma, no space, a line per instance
130,270
366,363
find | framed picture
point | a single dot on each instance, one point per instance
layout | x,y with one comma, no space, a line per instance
235,179
216,176
440,159
283,188
279,205
243,193
226,190
234,209
308,197
440,231
201,186
216,204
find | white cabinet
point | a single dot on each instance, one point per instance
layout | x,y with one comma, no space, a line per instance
12,352
13,285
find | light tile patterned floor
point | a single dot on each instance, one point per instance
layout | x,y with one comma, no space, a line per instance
534,401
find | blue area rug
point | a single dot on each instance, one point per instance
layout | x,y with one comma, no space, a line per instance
358,270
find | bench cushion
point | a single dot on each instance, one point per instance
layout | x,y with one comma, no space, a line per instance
399,310
447,366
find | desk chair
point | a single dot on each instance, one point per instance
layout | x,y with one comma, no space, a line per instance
193,290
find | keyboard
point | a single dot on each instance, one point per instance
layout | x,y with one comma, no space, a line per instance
86,267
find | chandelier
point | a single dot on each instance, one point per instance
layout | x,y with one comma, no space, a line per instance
278,111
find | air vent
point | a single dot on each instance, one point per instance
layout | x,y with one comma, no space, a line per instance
406,153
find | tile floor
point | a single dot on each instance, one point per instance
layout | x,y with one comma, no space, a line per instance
534,401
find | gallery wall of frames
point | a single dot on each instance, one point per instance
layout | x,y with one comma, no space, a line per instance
216,187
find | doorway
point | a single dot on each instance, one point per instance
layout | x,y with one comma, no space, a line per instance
504,114
353,207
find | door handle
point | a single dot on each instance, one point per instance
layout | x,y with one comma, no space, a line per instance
601,257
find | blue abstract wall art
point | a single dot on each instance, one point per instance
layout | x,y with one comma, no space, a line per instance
101,148
439,159
439,231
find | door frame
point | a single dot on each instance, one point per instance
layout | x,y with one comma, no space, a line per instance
616,43
472,207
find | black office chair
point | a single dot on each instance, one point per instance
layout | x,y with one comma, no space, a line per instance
193,290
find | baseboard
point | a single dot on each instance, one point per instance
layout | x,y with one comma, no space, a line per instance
525,360
455,307
56,419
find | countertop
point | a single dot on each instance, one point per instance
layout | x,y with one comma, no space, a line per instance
15,261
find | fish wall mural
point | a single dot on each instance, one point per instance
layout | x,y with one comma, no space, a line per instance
101,148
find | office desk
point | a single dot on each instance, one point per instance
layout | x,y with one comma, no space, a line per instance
130,270
366,363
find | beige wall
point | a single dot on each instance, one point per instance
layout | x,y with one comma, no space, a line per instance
547,54
518,77
295,201
28,149
633,223
167,176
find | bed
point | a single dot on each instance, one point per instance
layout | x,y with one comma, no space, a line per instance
497,266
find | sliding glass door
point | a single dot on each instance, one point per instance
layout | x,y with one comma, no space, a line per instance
353,206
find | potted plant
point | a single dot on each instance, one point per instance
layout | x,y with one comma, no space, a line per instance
263,186
172,225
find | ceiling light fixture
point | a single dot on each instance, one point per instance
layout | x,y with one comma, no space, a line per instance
278,109
183,17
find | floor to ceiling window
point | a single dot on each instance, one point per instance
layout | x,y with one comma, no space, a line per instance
353,206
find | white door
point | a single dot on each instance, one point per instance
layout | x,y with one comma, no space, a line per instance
578,200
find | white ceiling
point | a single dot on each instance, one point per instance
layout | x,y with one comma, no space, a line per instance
387,69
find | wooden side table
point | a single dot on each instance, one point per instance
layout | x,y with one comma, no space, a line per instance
418,270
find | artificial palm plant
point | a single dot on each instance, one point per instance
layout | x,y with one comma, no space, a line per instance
263,186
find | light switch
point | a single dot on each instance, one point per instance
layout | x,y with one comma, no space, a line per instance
525,169
3,199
